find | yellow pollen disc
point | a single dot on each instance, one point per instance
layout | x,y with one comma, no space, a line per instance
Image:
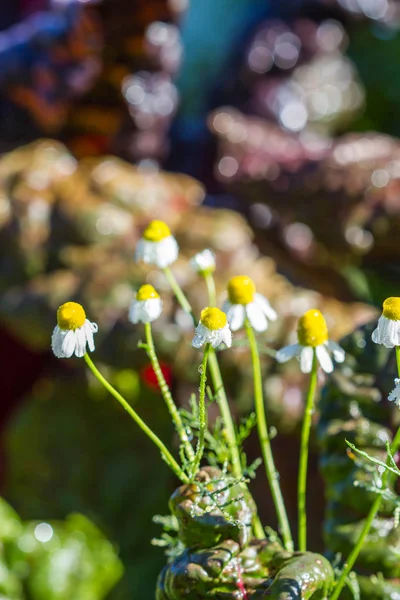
391,309
146,292
241,290
156,231
213,318
70,316
312,329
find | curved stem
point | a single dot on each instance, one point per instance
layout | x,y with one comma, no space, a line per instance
202,414
372,512
210,283
303,464
180,296
166,394
169,459
270,470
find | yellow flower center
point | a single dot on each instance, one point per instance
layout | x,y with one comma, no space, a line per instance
213,318
146,292
156,231
312,329
70,316
391,309
241,290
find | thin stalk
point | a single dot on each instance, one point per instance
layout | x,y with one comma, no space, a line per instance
166,394
202,413
372,513
169,459
270,470
180,296
303,463
210,283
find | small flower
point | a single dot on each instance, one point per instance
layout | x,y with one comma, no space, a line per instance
387,331
147,305
213,328
394,395
243,302
204,262
72,332
157,246
312,332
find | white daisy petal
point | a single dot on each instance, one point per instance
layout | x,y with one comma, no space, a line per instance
287,352
306,359
89,334
256,316
324,359
226,335
57,339
265,306
68,344
236,316
338,353
80,342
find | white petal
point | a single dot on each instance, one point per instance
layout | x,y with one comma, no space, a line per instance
152,309
68,344
57,341
227,336
287,352
306,359
265,306
387,332
200,335
80,342
338,353
235,316
257,318
324,359
134,312
166,252
89,334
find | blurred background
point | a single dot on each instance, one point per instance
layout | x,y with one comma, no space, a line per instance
267,133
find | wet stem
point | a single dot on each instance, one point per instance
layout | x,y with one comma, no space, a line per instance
167,456
372,513
202,414
270,470
303,464
166,394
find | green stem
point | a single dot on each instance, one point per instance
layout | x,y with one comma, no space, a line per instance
169,459
180,296
270,470
210,283
372,513
202,413
166,394
229,428
303,464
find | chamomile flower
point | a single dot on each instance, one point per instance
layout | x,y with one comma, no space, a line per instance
312,333
213,328
146,307
157,246
387,331
244,303
203,262
394,395
72,332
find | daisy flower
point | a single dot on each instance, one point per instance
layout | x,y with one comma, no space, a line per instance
312,333
387,331
147,305
157,246
72,332
213,329
244,303
394,395
203,262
